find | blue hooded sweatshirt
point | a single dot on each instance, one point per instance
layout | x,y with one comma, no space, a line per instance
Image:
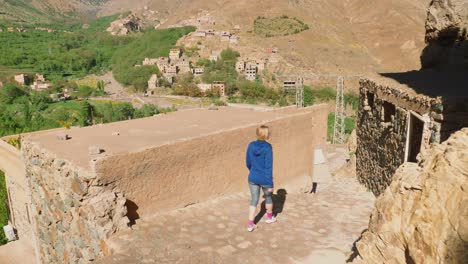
259,161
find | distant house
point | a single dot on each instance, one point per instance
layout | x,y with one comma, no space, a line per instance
260,64
171,69
169,77
162,63
204,86
292,84
233,39
163,60
214,56
21,79
150,61
39,86
272,50
210,33
237,29
198,71
240,66
200,33
39,78
153,82
40,83
251,72
225,36
219,86
183,66
174,54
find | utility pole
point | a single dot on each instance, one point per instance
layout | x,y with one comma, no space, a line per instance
339,126
300,92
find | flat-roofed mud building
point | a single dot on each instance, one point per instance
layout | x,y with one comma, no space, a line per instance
400,115
84,189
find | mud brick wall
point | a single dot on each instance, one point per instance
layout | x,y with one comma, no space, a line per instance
197,169
74,211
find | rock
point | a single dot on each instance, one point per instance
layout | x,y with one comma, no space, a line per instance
124,26
95,150
446,34
63,136
213,107
422,216
116,133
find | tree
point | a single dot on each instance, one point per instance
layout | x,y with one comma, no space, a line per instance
308,96
146,111
101,85
229,55
86,113
9,92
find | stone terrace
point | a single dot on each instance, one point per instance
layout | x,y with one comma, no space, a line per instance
312,228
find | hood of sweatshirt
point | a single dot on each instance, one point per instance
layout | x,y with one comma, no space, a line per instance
259,147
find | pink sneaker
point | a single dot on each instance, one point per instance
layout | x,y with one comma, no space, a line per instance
251,227
270,220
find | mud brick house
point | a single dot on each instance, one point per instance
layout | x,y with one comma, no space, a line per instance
150,61
174,54
221,87
198,71
251,72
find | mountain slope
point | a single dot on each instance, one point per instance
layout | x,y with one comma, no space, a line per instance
350,35
46,11
353,36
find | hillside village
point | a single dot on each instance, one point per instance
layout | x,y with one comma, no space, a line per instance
178,62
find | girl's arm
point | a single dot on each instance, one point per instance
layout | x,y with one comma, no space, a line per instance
248,162
269,164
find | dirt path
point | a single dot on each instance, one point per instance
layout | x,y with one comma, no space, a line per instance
113,87
311,228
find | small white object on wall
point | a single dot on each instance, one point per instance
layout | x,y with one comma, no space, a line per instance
9,232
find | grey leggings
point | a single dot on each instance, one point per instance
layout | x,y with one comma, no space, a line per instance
255,193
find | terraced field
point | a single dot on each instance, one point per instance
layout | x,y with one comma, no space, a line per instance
278,26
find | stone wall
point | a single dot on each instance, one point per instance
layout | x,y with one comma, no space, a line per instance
422,216
197,169
381,145
74,211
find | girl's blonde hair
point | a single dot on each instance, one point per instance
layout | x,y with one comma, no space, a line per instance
263,133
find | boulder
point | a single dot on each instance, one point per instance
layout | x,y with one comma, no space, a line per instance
446,34
422,217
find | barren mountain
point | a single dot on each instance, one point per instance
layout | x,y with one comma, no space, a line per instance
46,11
348,36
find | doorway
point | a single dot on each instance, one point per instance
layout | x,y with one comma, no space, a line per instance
414,137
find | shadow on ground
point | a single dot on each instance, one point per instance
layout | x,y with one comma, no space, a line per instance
279,199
